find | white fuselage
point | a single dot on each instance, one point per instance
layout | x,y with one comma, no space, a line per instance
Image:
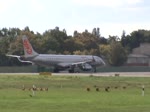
56,60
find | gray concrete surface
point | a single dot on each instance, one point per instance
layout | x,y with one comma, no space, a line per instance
109,74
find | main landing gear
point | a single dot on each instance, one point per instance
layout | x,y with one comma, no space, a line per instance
71,71
56,70
94,69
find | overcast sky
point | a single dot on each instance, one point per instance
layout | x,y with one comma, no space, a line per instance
111,16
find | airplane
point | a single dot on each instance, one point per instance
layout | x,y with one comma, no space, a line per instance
59,62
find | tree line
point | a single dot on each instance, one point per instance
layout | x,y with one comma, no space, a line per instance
54,41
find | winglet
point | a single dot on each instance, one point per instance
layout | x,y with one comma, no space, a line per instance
28,50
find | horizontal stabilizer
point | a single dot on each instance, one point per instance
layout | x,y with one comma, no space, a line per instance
19,58
16,56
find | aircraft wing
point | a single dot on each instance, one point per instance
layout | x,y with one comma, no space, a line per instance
18,57
79,63
64,64
72,64
83,65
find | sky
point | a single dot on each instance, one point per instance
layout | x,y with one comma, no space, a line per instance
111,16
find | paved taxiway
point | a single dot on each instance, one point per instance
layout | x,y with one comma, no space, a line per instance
108,74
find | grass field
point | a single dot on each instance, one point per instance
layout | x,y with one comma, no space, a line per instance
69,94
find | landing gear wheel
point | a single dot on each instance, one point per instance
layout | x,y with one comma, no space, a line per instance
94,69
56,70
71,71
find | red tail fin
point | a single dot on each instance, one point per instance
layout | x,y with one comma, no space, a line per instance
28,50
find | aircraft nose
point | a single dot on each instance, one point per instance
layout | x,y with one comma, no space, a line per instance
103,63
99,61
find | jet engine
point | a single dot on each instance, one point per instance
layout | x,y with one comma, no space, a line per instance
86,67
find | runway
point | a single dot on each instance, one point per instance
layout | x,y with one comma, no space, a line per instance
106,74
109,74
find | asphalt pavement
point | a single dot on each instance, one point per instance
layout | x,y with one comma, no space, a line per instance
106,74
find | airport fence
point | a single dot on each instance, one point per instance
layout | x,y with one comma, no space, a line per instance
124,69
18,69
37,69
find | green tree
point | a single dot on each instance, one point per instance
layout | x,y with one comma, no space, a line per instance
72,45
49,45
113,39
58,37
135,39
4,45
87,40
104,50
117,54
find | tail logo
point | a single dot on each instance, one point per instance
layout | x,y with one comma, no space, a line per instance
27,46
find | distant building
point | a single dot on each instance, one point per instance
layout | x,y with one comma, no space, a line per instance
143,49
140,56
138,60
